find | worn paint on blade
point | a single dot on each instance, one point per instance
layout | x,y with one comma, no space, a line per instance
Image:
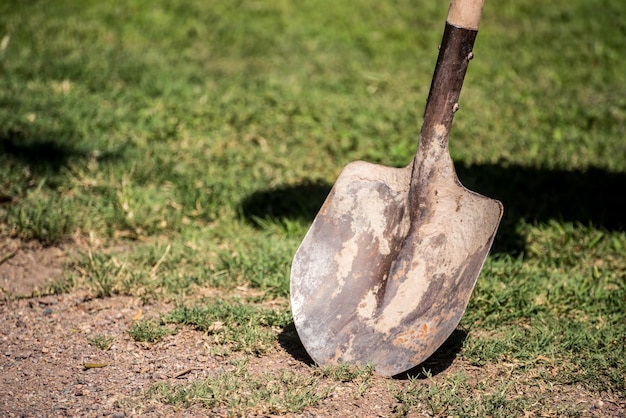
375,288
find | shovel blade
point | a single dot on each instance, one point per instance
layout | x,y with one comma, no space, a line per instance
376,281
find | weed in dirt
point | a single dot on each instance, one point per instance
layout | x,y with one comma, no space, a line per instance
104,273
148,331
346,372
234,326
61,285
101,342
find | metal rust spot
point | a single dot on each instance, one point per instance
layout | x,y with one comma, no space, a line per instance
423,332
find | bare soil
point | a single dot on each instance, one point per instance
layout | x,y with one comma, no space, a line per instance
44,347
25,268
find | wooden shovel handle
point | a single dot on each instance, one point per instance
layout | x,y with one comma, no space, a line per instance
465,13
454,55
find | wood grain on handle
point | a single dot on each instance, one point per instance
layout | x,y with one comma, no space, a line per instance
465,13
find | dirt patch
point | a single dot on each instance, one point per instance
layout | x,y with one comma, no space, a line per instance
27,268
46,341
45,345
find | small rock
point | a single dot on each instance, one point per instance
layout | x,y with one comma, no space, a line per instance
47,311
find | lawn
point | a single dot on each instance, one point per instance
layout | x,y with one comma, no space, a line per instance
183,148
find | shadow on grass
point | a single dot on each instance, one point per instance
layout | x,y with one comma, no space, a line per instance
41,155
300,201
290,342
435,364
593,197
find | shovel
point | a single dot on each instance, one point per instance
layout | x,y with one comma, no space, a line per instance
385,272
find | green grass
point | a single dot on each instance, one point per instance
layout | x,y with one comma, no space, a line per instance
235,326
564,300
101,342
239,392
187,146
148,331
456,396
